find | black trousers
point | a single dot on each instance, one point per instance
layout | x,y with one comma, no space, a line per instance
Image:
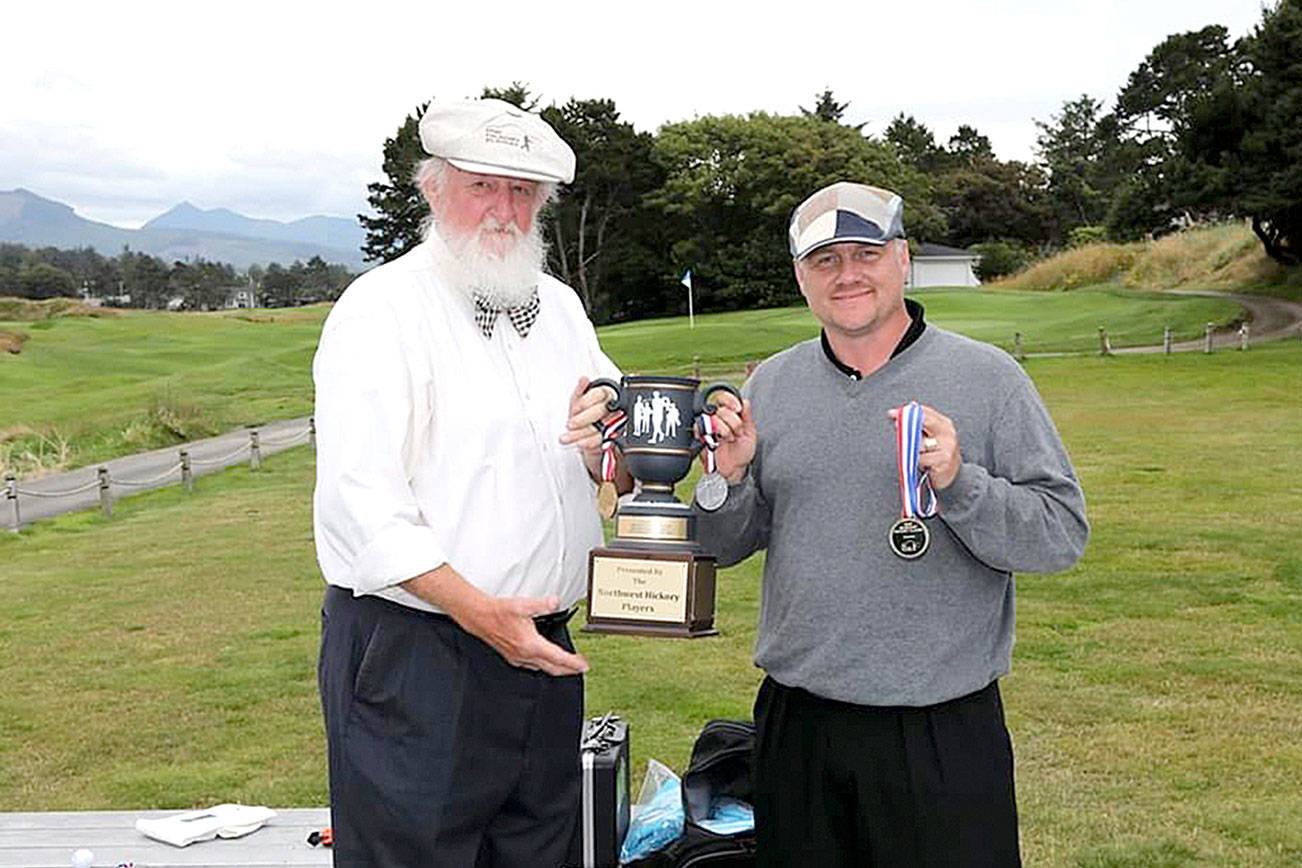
440,752
838,784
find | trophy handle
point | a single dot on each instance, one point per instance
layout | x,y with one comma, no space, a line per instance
703,404
615,403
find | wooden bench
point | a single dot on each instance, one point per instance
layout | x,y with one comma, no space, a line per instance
48,840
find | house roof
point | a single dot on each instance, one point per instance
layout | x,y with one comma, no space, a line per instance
926,249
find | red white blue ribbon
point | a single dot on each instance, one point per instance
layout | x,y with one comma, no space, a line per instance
711,441
609,431
918,498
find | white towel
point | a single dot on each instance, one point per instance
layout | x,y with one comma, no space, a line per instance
225,821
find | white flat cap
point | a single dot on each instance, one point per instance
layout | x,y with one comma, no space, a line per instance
493,137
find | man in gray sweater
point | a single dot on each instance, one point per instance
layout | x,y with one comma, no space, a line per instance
898,475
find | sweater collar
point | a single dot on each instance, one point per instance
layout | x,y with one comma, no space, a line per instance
916,327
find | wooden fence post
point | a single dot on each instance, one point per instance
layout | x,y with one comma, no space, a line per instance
696,367
1105,349
11,494
187,476
1207,341
1166,340
1017,346
105,493
255,452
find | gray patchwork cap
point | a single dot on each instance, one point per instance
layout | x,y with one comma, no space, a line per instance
846,211
493,137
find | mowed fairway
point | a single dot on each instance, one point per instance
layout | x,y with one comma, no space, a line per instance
110,386
165,658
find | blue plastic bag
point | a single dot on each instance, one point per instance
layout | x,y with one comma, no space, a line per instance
728,817
657,818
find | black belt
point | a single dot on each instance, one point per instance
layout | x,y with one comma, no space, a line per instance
554,620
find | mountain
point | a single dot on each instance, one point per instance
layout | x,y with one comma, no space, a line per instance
183,232
326,231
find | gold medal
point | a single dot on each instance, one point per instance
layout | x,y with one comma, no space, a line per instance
607,499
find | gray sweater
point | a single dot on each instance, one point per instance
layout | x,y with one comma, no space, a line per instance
841,615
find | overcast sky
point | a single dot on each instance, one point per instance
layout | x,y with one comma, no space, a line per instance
280,109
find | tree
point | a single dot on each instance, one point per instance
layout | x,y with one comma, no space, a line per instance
732,182
1267,181
1154,113
826,108
399,207
597,212
967,147
43,280
915,144
1079,149
988,200
516,93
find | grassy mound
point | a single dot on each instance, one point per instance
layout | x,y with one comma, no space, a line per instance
1225,257
28,310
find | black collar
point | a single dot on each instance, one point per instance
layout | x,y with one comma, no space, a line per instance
911,334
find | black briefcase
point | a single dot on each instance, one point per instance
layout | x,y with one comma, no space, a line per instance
604,806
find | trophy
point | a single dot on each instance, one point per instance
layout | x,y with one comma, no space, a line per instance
653,579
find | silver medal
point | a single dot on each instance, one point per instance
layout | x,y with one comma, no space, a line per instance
711,491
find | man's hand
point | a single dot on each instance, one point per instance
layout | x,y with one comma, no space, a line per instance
505,623
587,409
939,456
735,428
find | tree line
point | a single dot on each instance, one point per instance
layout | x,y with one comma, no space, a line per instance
134,279
1204,129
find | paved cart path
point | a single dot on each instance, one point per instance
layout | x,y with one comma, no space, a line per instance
58,493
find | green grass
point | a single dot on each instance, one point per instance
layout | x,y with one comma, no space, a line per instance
86,389
1049,322
164,658
114,385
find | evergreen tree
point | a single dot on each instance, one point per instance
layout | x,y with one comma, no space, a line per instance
398,206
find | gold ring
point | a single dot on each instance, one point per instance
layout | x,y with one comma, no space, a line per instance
930,444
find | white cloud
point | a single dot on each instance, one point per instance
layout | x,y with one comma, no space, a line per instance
280,109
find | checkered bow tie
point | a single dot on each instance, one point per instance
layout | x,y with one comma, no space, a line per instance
522,316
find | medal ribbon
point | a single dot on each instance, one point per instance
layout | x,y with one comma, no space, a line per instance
609,431
915,488
711,441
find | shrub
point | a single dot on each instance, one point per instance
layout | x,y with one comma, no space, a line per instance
999,258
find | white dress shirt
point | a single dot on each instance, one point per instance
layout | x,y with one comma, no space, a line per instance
435,445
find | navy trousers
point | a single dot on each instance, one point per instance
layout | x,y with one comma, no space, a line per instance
440,752
856,786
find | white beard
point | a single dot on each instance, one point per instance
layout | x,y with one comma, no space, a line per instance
472,264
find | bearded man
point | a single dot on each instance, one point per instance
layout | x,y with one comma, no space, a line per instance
454,509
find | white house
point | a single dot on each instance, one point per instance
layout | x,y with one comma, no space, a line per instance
938,265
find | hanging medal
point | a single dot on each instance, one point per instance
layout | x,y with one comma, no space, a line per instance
711,488
909,536
607,494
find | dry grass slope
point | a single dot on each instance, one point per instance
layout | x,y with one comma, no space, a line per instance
27,310
1226,257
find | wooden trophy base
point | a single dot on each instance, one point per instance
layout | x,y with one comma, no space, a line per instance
650,593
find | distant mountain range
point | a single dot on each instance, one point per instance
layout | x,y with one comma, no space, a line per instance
184,232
